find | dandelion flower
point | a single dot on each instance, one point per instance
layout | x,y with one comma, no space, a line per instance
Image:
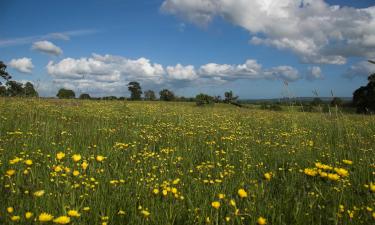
215,204
347,162
84,165
100,158
60,155
221,196
261,221
29,162
242,193
39,193
15,218
145,213
10,209
45,217
332,176
76,157
74,213
62,220
155,191
75,173
268,176
10,172
28,215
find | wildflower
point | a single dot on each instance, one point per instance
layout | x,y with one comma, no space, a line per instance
155,191
174,190
221,196
268,176
176,181
10,172
342,172
29,162
84,165
372,187
121,212
74,213
57,169
10,209
145,213
15,218
39,193
86,208
232,203
242,193
215,204
62,220
76,157
261,221
310,172
75,173
165,192
332,176
45,217
28,215
60,155
347,162
100,158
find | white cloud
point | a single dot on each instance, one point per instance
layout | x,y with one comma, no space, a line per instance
361,69
47,47
180,72
23,65
312,29
314,73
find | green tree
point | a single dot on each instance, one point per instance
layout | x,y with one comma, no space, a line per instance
3,91
14,88
84,96
29,90
150,95
229,97
203,99
3,72
364,97
166,95
135,90
65,93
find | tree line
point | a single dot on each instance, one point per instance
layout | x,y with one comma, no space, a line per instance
363,98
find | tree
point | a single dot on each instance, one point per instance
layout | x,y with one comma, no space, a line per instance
364,97
166,95
336,102
203,99
3,91
150,95
135,90
14,88
84,96
29,90
65,93
229,97
3,73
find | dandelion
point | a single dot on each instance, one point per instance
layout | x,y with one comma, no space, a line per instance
84,165
10,172
145,213
215,204
121,212
310,172
165,192
62,220
76,157
342,172
75,173
60,155
232,203
242,193
29,162
39,193
45,217
15,218
100,158
261,221
155,191
10,209
221,196
268,176
28,215
333,177
347,162
74,213
372,187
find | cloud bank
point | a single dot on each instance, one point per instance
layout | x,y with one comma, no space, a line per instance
23,65
312,29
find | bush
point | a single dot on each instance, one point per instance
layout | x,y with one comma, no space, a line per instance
203,99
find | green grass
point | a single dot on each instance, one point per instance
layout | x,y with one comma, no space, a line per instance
211,150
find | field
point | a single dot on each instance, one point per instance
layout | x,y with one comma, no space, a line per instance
119,162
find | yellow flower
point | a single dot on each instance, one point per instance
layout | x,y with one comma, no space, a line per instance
62,220
28,215
372,187
74,213
232,203
342,172
221,196
86,208
174,190
268,176
332,176
100,158
10,209
39,193
176,181
215,204
155,191
75,173
10,172
76,157
15,218
262,221
242,193
310,172
121,212
165,192
60,155
84,165
45,217
145,213
57,169
29,162
347,162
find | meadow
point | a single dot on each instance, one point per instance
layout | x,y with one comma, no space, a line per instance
121,162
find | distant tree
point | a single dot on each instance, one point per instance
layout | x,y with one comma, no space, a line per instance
229,97
336,101
135,90
166,95
150,95
84,96
3,72
364,97
29,90
203,99
65,93
14,88
217,99
3,91
109,98
316,102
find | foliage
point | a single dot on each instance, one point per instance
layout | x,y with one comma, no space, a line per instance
29,90
65,94
84,96
150,95
229,97
135,90
316,101
3,73
364,97
14,89
166,95
203,99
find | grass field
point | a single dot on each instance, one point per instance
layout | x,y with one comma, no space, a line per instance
117,162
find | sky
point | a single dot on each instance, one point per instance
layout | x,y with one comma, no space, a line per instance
258,48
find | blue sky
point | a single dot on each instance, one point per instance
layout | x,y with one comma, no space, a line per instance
189,47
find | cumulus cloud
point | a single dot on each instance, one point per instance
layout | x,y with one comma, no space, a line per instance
23,65
361,69
110,74
314,73
312,29
47,47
